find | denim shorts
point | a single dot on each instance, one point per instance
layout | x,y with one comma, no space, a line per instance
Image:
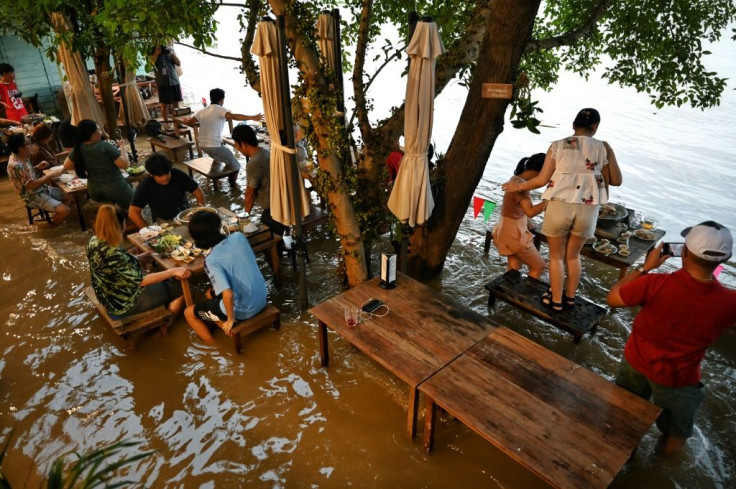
679,404
47,199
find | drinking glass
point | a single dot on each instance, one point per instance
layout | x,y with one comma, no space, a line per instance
635,221
649,223
351,316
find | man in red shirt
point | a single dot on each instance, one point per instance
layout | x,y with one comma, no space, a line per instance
681,315
10,96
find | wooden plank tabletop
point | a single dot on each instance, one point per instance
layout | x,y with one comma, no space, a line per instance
569,426
422,332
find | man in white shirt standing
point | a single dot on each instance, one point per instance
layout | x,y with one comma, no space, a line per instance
211,123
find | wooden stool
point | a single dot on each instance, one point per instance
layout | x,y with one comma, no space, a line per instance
269,315
211,169
135,324
178,148
37,215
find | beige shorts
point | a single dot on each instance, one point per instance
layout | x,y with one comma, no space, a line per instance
562,218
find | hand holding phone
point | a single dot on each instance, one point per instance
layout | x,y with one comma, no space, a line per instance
672,249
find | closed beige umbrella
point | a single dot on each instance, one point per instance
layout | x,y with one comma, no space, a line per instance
83,104
265,46
411,198
138,113
326,39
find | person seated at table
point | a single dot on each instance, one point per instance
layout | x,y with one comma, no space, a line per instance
34,190
118,278
100,163
67,133
258,173
211,123
681,315
239,288
43,155
164,191
511,234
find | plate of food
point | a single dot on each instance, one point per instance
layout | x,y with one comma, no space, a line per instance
136,170
604,248
612,212
165,243
645,234
185,215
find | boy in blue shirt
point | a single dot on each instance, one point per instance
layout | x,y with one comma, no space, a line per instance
239,288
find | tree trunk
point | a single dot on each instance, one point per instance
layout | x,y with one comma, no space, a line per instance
508,30
105,74
341,206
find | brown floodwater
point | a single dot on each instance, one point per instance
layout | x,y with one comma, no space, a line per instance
272,416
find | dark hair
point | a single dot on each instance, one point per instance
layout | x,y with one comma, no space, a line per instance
67,132
158,164
243,133
204,228
534,162
41,132
15,142
85,129
217,95
586,118
6,68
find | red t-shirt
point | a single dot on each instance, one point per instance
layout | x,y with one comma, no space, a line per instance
14,108
679,319
393,162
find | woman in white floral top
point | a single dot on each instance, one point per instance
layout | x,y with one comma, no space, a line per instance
577,171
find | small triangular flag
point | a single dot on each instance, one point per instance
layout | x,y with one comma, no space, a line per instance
477,205
488,208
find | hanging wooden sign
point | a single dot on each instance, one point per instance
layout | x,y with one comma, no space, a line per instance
498,90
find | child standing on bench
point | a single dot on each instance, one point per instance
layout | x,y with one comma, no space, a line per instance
511,234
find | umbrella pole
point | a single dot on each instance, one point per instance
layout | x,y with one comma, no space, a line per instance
297,232
123,90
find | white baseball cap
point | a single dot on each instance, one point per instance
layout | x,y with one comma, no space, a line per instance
709,240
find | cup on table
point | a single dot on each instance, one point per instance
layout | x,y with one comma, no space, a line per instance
351,316
649,223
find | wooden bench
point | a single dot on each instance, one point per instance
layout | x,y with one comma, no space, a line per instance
213,170
268,316
526,293
135,324
176,146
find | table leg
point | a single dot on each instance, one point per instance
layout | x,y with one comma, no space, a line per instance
323,350
187,293
275,264
429,418
78,203
411,425
623,271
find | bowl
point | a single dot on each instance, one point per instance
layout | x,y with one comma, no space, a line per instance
185,215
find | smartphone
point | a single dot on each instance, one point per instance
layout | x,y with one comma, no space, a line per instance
672,249
372,305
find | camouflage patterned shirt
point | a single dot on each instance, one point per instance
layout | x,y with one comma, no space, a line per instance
116,276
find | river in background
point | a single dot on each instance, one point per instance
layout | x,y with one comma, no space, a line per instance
272,417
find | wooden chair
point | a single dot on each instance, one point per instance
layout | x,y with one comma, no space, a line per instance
268,316
37,215
135,324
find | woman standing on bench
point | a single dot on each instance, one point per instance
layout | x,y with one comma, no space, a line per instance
578,169
117,277
100,163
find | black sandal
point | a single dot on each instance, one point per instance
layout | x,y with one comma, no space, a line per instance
548,302
568,302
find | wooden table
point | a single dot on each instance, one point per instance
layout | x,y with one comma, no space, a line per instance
212,170
261,241
176,146
638,248
569,426
422,332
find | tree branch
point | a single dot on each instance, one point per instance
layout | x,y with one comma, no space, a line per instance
248,62
208,53
573,35
359,88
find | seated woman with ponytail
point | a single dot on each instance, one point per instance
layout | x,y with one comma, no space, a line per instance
100,163
117,277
